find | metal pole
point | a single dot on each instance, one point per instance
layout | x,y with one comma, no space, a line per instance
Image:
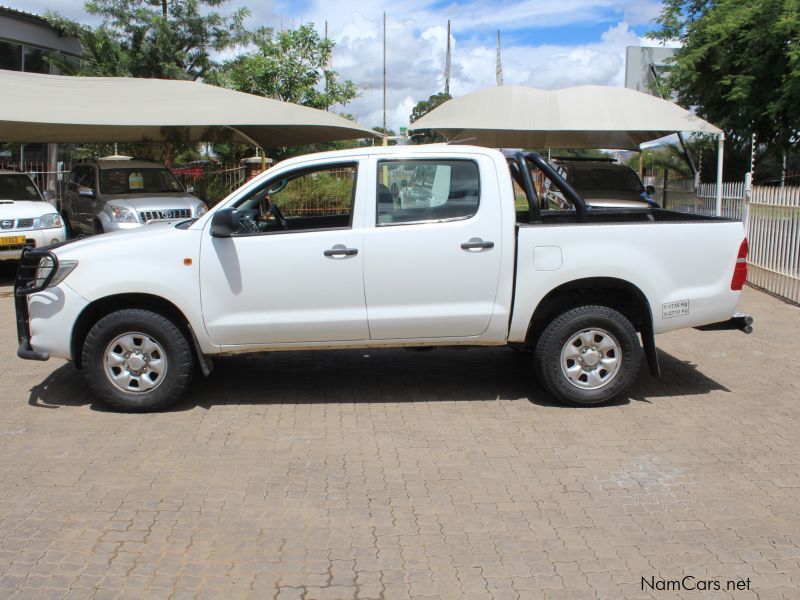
720,152
499,66
385,141
447,62
783,172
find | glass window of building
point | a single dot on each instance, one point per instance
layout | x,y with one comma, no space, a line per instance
10,56
34,62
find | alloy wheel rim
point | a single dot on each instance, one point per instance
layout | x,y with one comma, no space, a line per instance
591,358
135,363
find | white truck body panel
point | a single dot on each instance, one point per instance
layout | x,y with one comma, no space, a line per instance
668,262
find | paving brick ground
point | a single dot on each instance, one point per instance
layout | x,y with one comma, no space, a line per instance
394,474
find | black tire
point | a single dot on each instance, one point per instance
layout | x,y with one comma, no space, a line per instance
97,228
622,344
147,329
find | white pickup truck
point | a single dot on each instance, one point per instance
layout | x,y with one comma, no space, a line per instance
318,253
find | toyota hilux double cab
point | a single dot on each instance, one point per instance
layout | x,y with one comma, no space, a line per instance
117,193
317,253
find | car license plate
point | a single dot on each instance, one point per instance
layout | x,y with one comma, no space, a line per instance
14,240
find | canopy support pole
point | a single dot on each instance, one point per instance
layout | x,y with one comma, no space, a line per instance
720,153
255,143
244,135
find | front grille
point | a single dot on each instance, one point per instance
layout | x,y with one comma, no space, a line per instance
166,213
8,224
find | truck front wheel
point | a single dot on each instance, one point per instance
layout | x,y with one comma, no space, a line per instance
137,361
588,355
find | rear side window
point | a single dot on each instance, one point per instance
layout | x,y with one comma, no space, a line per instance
419,191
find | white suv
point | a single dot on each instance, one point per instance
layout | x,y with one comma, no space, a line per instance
26,219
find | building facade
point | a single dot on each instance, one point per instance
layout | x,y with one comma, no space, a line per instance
26,40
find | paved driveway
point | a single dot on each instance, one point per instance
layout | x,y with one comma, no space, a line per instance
388,474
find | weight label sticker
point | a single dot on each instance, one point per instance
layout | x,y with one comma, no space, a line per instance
674,309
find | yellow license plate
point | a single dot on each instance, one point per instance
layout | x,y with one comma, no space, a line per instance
14,240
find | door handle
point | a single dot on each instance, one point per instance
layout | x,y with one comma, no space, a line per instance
341,251
477,244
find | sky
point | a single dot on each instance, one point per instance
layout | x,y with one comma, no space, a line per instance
545,43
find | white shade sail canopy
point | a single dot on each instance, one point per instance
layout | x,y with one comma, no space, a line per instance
587,116
55,108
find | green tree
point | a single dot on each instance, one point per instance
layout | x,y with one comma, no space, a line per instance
166,39
170,39
103,55
739,65
422,108
291,65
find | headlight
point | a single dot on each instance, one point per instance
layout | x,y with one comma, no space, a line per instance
201,210
65,267
49,221
120,214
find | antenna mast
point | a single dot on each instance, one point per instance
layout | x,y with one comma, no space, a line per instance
384,78
447,63
499,68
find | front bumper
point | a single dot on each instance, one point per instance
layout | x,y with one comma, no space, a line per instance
738,322
34,238
24,285
45,315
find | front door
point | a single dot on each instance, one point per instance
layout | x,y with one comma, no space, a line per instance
433,255
294,272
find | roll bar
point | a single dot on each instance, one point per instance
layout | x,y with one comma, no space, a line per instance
523,161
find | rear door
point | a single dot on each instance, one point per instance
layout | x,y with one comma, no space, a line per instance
432,250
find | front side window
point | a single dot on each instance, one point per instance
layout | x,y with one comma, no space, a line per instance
17,187
415,191
82,177
306,199
137,180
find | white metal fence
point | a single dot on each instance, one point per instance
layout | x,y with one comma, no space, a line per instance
773,227
772,220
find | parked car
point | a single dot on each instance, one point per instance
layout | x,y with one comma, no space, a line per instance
27,220
117,193
603,183
308,256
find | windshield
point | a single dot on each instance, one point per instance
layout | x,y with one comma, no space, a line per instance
604,179
17,187
138,181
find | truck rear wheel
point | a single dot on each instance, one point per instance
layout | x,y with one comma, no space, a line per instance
137,361
588,355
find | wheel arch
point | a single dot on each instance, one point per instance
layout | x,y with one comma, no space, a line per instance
101,307
612,292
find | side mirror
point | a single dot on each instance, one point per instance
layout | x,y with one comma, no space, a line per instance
225,223
85,192
650,190
190,189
